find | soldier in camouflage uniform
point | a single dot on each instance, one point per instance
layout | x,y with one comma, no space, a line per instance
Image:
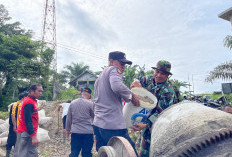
159,85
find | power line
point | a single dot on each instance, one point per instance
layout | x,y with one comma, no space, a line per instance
74,49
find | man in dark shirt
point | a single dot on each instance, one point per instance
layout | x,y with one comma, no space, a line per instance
28,123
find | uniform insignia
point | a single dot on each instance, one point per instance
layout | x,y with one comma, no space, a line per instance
119,70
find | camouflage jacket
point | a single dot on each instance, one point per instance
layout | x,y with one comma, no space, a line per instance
166,97
164,92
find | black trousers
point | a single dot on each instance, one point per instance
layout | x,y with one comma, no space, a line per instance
64,122
104,135
11,140
83,143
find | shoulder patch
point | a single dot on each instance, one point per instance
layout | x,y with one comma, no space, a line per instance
119,70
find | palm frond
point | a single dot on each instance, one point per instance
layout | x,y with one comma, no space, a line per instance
228,41
222,71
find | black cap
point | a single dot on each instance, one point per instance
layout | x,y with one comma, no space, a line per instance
120,56
21,96
87,90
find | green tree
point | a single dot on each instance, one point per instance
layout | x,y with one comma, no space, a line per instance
134,72
72,71
179,84
129,74
21,61
10,29
16,57
222,71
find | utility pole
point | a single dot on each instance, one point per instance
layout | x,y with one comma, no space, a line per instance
189,86
49,36
193,84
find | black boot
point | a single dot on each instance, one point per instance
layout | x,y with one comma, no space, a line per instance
8,153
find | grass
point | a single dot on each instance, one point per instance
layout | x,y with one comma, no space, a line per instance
4,115
216,96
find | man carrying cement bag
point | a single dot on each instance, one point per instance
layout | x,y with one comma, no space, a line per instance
158,85
109,90
28,123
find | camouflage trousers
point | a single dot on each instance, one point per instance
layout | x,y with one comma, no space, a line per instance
145,145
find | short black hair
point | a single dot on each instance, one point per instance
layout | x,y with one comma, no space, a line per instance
69,101
34,86
26,94
21,96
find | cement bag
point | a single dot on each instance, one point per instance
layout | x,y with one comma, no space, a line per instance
3,141
4,127
42,135
41,103
133,114
45,122
4,134
9,106
41,113
7,121
1,121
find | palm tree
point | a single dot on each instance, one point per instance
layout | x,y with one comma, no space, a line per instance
224,70
228,41
179,84
73,70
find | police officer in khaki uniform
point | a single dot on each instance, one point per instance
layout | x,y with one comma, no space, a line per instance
109,90
79,125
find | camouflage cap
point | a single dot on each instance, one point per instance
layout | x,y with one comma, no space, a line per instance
164,66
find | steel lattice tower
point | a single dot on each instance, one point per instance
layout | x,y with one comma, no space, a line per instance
49,33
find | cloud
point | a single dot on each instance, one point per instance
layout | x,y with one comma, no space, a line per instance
187,33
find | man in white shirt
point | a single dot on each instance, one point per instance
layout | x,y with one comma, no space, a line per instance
65,107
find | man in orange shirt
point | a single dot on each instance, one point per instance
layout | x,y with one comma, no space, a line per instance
16,109
11,140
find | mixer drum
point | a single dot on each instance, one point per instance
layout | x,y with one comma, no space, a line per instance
191,129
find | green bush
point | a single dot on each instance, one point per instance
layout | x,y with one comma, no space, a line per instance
5,101
4,115
67,94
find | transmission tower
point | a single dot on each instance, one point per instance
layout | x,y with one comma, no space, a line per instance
49,34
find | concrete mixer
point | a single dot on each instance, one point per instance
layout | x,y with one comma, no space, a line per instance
187,129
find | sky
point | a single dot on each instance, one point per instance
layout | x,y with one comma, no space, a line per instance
189,34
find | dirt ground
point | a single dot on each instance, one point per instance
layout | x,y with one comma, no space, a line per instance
58,146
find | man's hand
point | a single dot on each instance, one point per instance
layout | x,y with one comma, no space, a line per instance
68,133
59,107
136,84
35,141
135,100
228,109
139,126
